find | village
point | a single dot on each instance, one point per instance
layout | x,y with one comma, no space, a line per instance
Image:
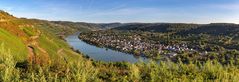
135,44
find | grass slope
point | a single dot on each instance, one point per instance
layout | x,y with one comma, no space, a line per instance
35,39
10,41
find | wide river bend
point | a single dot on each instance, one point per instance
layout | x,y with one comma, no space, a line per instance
101,54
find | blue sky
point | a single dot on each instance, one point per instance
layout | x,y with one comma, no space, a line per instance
105,11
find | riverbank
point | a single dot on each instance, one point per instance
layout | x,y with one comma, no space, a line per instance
100,53
134,44
146,44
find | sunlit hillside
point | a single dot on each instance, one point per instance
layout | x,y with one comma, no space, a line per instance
28,39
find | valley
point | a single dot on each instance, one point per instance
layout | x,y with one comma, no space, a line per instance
101,54
34,50
178,42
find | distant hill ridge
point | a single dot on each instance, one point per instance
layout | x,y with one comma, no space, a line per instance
179,28
183,28
5,16
88,26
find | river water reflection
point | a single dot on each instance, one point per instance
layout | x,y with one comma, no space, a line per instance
101,54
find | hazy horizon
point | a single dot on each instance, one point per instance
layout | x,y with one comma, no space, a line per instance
125,11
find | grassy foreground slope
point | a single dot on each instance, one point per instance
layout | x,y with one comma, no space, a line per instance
32,48
13,43
27,39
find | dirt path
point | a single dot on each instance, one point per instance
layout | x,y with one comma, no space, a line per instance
33,44
31,56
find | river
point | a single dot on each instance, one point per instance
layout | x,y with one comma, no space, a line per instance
101,54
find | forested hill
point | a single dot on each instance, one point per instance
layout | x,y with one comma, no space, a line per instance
214,29
181,28
178,28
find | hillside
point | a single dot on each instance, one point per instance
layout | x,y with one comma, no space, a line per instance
214,29
32,39
78,25
180,28
4,16
109,25
157,27
83,26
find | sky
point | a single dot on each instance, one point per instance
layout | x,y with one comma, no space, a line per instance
106,11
